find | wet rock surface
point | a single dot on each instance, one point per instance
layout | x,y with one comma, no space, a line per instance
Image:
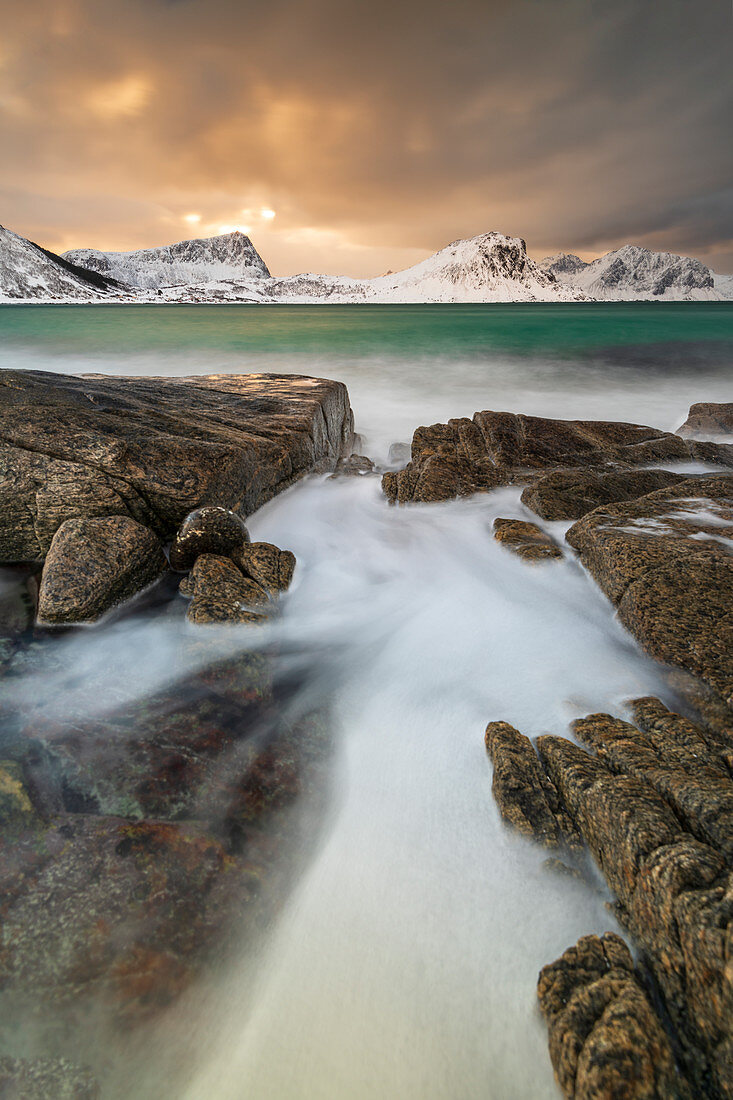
46,1078
569,494
155,449
526,540
222,594
708,419
665,561
653,802
497,448
268,565
606,1039
209,530
354,466
94,564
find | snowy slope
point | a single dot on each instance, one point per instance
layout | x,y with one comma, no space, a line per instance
487,268
28,272
632,273
229,256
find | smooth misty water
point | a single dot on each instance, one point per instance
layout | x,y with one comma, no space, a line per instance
405,962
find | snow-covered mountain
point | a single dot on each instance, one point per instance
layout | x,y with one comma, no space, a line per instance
487,268
29,272
632,273
229,256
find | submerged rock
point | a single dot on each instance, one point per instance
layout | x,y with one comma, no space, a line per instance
527,540
46,1078
353,466
606,1040
208,530
155,449
707,419
569,494
665,561
93,565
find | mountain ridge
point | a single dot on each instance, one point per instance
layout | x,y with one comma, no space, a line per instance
489,267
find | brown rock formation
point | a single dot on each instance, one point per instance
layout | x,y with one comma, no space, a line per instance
268,565
222,594
569,494
707,419
527,540
606,1040
494,448
526,798
95,563
661,561
155,449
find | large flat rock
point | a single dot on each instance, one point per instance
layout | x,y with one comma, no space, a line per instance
155,448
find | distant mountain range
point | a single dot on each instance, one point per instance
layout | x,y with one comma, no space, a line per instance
228,268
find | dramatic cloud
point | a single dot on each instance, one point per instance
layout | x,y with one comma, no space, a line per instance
375,132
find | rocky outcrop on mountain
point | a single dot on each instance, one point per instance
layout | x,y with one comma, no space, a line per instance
94,564
155,449
606,1040
228,256
569,494
29,272
495,448
665,562
633,273
526,540
708,419
653,802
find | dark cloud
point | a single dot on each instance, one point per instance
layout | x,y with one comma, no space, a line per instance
375,131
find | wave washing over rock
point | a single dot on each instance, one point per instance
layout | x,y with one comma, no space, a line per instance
246,826
488,268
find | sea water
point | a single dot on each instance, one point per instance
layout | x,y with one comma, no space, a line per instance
405,961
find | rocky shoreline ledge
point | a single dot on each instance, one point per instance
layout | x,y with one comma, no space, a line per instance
131,840
651,801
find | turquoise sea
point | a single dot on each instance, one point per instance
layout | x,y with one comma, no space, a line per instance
404,963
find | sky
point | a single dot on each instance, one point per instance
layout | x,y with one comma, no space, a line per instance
358,136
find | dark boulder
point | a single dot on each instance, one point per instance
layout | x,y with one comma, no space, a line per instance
94,564
708,419
208,530
527,540
353,466
156,449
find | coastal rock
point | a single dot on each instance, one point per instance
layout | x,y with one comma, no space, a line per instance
569,494
527,540
496,448
94,564
673,895
208,530
222,594
665,561
353,466
526,798
708,419
155,449
606,1040
269,566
